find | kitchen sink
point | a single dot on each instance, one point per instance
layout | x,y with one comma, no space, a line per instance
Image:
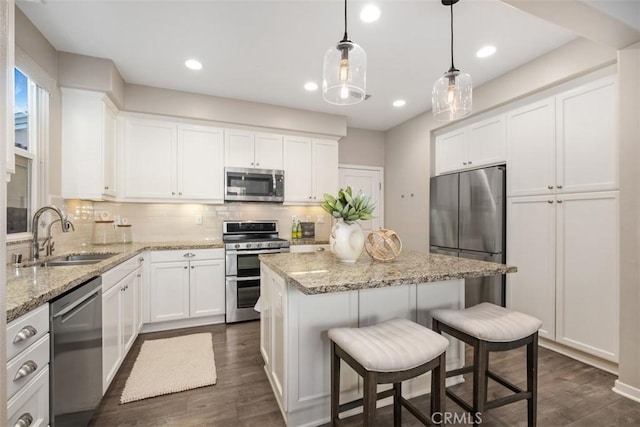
76,259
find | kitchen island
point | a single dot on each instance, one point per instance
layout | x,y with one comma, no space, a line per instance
304,295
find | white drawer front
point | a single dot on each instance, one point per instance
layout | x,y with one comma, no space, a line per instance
25,366
31,403
186,255
26,330
117,273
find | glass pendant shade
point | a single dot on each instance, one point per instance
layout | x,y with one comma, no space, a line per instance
344,74
451,98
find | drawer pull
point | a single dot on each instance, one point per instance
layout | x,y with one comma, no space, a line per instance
320,249
27,368
189,255
25,333
25,420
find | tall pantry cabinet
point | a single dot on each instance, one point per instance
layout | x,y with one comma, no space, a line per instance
563,216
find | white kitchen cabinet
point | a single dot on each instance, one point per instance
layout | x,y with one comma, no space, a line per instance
120,315
245,149
172,161
564,144
531,167
186,284
478,144
28,350
88,145
311,169
566,250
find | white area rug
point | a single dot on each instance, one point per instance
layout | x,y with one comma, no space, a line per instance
171,365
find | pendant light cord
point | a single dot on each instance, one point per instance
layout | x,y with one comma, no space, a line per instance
452,66
345,38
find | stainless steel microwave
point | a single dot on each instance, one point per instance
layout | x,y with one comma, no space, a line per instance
253,185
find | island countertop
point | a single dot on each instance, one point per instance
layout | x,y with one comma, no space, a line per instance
321,272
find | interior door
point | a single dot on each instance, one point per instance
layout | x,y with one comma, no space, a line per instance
369,181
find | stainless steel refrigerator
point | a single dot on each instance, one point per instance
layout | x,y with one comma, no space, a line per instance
467,218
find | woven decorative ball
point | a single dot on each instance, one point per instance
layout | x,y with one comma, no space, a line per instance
383,245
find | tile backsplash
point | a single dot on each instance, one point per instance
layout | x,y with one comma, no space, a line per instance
162,222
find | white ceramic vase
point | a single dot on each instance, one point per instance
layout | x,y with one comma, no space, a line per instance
347,240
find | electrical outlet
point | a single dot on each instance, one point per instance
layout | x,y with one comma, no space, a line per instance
320,219
199,219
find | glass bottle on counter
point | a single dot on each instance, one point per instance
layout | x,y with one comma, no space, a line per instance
299,231
294,230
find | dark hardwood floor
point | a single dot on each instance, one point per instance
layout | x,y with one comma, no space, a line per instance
570,393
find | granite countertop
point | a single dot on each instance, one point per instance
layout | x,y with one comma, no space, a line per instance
321,272
30,287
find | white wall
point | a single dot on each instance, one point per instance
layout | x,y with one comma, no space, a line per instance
362,147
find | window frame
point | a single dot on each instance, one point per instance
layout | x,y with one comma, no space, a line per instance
38,140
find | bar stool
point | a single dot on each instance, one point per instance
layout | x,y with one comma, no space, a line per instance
389,352
488,327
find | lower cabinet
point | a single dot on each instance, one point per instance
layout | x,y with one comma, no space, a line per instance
302,248
28,369
186,284
121,296
566,251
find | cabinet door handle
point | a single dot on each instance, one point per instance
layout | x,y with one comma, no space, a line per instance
257,164
464,163
106,187
550,187
180,194
25,420
25,333
193,266
470,162
185,267
558,186
310,197
549,201
27,368
141,259
189,255
319,249
559,201
173,193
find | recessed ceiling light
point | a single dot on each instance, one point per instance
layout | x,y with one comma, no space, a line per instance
399,103
486,51
370,13
193,64
311,86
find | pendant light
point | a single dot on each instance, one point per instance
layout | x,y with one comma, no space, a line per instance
344,74
451,98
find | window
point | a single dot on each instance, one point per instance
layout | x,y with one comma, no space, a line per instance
26,188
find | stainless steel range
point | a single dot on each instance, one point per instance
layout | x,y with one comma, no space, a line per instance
243,242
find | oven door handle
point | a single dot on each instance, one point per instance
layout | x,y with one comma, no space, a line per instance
242,279
255,252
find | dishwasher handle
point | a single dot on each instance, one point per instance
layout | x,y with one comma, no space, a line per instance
81,301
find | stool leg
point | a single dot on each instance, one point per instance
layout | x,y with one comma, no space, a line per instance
532,380
370,398
438,388
397,407
480,367
335,385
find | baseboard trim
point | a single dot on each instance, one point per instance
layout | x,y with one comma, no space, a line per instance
627,391
594,361
182,323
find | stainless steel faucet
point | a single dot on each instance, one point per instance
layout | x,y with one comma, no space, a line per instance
49,245
64,223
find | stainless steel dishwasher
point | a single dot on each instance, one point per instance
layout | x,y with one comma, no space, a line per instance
76,355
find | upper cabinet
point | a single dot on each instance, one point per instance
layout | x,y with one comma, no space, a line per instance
311,169
479,144
172,161
88,145
564,144
245,149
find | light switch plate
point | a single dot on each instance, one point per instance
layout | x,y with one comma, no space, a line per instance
199,219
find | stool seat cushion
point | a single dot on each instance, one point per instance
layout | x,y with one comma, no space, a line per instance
391,346
490,322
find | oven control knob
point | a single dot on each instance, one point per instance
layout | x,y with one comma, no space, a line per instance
273,244
259,245
237,245
248,245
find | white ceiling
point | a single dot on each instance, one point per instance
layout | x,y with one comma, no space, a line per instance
265,51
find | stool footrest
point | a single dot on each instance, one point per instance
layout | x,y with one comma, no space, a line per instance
461,403
358,402
507,400
416,412
497,378
460,371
